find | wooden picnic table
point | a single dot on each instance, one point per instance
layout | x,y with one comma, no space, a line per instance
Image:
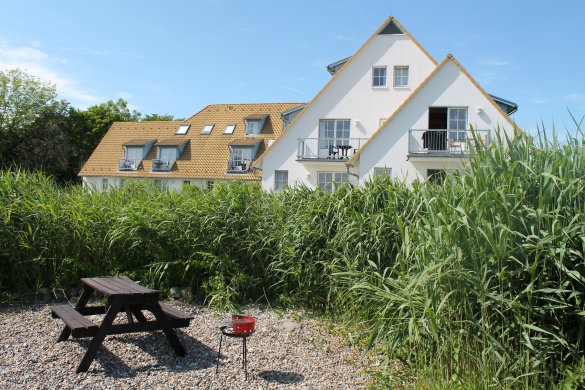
123,295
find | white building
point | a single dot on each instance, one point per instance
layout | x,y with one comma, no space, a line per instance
389,109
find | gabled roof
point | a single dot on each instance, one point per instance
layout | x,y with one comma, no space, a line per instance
138,142
506,105
172,141
448,58
205,155
250,141
379,30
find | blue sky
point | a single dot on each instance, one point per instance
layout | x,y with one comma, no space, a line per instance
175,57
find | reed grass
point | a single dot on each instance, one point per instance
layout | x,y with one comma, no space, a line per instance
477,282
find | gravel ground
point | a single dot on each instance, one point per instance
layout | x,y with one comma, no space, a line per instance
288,351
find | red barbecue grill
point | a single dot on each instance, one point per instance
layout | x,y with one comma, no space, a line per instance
242,327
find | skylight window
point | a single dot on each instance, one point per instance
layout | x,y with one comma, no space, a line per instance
182,130
229,129
207,129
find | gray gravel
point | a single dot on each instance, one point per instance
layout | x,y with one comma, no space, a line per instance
289,350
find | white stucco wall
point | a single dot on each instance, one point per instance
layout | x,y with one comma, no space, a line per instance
350,95
449,87
95,182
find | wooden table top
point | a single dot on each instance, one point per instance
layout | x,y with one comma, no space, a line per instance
118,285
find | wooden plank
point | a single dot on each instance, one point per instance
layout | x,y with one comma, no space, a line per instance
72,318
99,284
124,280
117,286
127,286
174,312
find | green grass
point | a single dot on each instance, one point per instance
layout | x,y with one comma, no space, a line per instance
478,282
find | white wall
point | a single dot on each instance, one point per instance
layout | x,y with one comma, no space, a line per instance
449,87
349,96
95,183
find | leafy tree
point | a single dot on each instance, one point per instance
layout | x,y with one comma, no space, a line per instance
158,117
89,126
46,144
24,99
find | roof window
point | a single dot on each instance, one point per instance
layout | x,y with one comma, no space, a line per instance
207,129
229,129
182,130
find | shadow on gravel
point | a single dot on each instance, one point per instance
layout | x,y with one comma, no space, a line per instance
199,356
281,377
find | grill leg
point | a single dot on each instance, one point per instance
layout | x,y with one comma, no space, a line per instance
245,357
218,354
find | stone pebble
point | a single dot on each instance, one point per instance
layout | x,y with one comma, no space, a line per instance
290,350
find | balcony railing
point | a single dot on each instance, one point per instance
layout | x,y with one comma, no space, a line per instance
328,148
439,142
129,165
159,165
238,166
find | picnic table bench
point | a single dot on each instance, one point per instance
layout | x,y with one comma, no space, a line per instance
123,295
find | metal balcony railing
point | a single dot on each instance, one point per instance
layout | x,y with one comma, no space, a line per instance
128,165
238,166
440,142
328,148
159,165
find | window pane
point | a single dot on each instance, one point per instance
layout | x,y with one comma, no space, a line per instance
280,180
134,153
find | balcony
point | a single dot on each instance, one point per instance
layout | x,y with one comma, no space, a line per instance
128,165
238,166
328,149
159,165
441,143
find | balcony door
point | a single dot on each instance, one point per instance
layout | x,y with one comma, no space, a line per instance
332,133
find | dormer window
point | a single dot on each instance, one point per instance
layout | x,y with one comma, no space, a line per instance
168,152
207,129
254,124
134,153
242,152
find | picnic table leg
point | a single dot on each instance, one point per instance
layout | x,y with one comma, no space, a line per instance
138,314
83,299
98,338
166,328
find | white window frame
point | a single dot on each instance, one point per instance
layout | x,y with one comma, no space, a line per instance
161,184
210,184
229,129
182,130
329,180
338,134
381,79
105,184
207,129
400,80
280,180
456,123
252,130
382,171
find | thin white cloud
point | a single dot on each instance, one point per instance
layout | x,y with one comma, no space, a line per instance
38,63
102,53
294,90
